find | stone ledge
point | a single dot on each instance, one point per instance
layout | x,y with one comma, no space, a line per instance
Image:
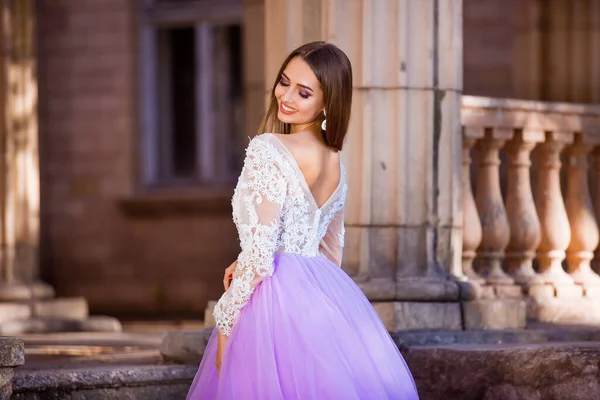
437,338
64,307
494,314
405,315
72,380
564,311
48,325
17,292
157,391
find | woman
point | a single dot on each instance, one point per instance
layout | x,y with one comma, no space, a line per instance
292,324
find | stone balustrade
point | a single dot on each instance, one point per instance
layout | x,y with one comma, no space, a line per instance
531,196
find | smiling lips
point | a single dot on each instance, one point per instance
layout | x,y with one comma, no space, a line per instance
287,110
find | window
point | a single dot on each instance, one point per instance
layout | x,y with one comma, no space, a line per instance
192,92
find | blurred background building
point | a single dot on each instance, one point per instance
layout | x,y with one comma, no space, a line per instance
145,108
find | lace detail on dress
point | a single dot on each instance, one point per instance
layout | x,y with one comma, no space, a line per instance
274,211
257,203
341,236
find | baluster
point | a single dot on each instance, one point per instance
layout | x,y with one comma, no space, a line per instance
525,229
494,223
556,233
471,223
596,165
584,229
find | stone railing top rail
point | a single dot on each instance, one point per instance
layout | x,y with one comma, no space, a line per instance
536,119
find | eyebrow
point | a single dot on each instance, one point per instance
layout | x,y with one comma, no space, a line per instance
299,84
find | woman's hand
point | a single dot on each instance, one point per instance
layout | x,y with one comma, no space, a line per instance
229,275
222,342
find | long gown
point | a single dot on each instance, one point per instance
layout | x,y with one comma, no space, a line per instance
299,328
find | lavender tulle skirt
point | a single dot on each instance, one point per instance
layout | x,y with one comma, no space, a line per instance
308,333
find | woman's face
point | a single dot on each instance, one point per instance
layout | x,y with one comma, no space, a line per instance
298,94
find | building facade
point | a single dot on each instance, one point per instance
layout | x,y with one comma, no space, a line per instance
145,107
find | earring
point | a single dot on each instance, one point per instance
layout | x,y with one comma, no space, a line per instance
324,123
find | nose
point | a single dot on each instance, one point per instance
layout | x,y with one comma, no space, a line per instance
287,96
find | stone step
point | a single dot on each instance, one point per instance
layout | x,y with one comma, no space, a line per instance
148,382
543,371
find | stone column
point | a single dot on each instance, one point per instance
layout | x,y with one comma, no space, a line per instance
25,302
584,229
19,170
403,152
254,64
525,230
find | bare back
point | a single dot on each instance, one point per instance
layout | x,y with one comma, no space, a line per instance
319,164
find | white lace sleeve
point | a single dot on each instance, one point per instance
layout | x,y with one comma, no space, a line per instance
257,205
332,244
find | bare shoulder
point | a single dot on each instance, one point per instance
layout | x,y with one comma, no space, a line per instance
301,147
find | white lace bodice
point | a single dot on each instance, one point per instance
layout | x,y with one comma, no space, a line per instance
274,212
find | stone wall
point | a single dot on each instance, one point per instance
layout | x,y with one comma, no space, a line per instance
489,47
102,236
535,50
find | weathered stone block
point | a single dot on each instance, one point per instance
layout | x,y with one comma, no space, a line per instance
185,346
565,311
547,371
487,293
100,323
569,291
469,290
400,316
494,314
12,312
209,318
378,289
431,290
541,292
12,352
148,382
12,355
508,292
67,308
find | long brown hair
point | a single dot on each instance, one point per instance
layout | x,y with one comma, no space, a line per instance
334,72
